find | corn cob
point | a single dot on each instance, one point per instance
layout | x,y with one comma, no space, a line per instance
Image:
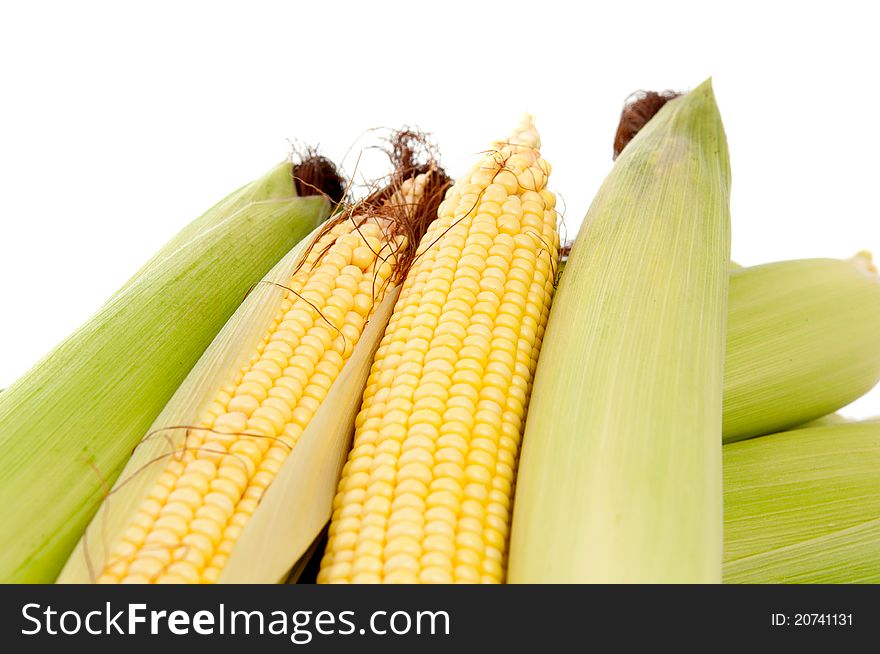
69,424
620,476
804,506
425,495
802,342
250,404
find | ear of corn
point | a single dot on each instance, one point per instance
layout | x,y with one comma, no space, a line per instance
68,426
802,342
804,506
235,479
620,476
426,493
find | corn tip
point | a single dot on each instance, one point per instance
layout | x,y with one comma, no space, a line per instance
864,262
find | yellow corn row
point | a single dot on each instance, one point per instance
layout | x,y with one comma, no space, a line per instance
426,493
187,523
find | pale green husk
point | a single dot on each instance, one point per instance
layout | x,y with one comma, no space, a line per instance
620,474
69,425
804,506
803,341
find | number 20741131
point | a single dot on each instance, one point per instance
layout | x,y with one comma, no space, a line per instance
812,620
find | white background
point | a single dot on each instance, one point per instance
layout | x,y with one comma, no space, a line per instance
120,123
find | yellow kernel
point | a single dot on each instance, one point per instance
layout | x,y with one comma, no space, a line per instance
230,423
440,513
275,356
267,420
363,257
440,542
435,575
174,524
271,369
123,550
148,567
348,281
189,497
319,339
366,565
262,479
403,539
507,180
247,506
207,528
184,570
219,561
402,561
161,538
285,337
257,377
221,501
362,547
204,468
243,404
289,387
178,509
476,491
508,224
189,554
194,480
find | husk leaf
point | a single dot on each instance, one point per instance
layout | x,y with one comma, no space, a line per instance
804,506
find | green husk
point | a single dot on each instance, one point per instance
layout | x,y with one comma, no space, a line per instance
620,474
804,506
69,425
803,341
